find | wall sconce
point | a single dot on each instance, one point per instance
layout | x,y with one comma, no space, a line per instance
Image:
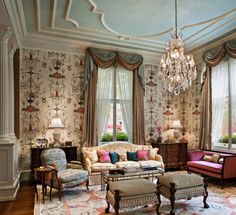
176,125
57,125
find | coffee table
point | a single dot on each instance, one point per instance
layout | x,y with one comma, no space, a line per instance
139,173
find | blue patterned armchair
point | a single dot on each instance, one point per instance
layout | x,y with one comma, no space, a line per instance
65,174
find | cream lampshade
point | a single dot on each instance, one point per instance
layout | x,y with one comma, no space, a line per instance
57,125
176,125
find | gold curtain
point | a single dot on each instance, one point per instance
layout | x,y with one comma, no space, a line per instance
206,112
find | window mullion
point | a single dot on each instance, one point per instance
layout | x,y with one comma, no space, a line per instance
230,111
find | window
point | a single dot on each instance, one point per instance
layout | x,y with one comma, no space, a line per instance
224,104
114,104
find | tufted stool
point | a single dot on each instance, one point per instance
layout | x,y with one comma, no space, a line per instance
175,186
131,193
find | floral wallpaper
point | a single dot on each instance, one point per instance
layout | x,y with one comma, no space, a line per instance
51,87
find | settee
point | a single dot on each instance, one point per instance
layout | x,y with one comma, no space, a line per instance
212,163
92,164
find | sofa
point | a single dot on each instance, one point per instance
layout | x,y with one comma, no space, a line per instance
212,163
93,164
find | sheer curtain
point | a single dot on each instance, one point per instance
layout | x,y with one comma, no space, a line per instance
232,67
125,95
219,92
104,98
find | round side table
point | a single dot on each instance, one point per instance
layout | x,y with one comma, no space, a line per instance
43,174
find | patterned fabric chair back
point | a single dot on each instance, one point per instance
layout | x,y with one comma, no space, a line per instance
54,157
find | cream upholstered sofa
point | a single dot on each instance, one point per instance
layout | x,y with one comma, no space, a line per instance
93,165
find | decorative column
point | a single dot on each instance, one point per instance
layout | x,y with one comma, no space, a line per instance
12,49
4,96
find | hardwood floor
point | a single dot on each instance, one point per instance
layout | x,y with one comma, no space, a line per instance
23,205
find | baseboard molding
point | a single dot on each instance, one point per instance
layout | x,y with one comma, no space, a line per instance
25,175
9,192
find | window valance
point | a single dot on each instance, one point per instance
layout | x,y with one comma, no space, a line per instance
213,56
104,58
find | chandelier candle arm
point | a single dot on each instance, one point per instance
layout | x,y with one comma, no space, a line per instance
176,69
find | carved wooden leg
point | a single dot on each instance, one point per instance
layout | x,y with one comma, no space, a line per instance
172,198
158,193
59,192
51,190
87,184
222,183
117,202
108,204
205,197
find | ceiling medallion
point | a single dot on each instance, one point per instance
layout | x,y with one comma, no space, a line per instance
176,69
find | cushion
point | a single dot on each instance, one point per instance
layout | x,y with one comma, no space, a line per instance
142,155
91,155
127,164
95,167
103,156
207,158
221,160
136,187
215,157
181,180
210,166
132,156
114,157
150,163
122,154
68,175
153,153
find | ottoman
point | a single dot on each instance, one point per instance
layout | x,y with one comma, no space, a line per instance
175,186
131,193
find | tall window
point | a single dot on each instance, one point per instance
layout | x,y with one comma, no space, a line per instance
224,104
114,104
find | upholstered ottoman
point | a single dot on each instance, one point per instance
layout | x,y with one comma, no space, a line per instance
131,193
175,186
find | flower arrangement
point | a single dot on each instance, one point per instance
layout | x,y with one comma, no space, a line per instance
158,129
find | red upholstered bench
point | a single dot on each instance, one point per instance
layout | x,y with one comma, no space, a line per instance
224,170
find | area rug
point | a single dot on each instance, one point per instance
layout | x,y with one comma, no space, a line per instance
79,201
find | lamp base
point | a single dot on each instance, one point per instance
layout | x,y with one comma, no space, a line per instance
56,137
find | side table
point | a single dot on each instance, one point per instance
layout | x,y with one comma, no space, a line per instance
43,174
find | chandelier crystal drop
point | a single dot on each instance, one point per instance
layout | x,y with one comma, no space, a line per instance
176,69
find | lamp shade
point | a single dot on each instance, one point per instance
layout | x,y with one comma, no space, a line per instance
56,123
176,124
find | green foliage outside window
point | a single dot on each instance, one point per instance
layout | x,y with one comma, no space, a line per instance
225,138
120,136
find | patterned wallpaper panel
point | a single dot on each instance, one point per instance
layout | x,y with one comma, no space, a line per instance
51,86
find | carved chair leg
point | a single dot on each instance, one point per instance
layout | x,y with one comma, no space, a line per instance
206,195
172,198
158,193
117,202
51,190
87,184
222,183
108,204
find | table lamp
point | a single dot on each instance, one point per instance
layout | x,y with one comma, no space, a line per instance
57,125
176,125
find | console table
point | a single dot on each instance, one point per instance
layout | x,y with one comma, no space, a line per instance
174,154
71,154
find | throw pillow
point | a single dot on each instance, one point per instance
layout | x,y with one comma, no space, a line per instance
132,156
114,157
153,153
103,156
221,160
142,155
215,157
91,155
122,154
207,158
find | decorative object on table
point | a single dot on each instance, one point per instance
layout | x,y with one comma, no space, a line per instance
176,69
57,126
41,142
176,125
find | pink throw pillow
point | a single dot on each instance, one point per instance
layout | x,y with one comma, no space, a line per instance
142,155
104,156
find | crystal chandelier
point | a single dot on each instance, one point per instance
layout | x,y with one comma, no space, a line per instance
176,69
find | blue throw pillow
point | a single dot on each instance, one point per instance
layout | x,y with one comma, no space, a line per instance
132,156
114,157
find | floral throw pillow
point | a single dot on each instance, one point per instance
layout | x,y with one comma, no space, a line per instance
103,156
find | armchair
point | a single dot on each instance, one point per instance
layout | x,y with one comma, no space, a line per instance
65,174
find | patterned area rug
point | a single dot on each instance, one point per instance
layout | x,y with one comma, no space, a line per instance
79,201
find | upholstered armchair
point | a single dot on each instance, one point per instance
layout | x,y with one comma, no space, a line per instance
65,174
